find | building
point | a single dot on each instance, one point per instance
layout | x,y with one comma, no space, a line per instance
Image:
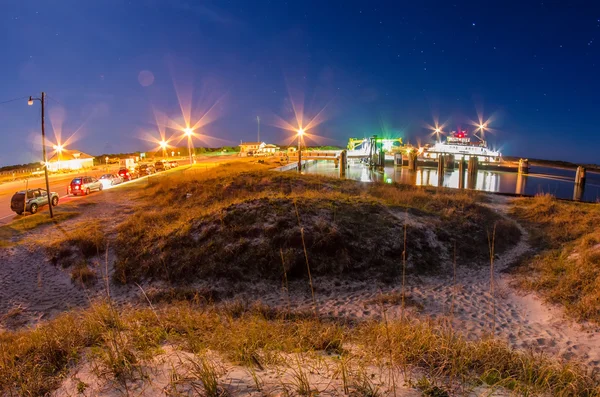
70,160
269,149
249,148
257,148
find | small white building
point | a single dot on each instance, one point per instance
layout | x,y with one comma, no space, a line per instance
70,160
249,148
257,148
269,149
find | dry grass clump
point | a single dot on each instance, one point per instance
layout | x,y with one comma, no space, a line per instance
33,361
232,223
567,271
83,274
82,243
15,230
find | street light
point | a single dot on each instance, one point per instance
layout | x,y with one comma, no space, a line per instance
42,100
163,146
482,128
58,149
189,133
300,133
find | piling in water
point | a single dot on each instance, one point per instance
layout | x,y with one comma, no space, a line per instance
523,166
472,172
381,159
441,164
461,173
580,176
449,161
579,183
412,161
398,160
343,158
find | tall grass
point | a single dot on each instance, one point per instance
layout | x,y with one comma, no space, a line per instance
32,362
566,269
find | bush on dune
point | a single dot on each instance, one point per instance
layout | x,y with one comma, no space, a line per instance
233,223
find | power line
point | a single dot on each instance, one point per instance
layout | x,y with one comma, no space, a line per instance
55,100
16,99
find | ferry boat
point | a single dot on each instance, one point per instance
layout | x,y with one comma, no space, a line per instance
460,145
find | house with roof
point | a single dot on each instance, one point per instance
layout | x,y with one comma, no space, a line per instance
257,148
70,160
249,148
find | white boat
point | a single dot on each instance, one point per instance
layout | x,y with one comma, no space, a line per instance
460,145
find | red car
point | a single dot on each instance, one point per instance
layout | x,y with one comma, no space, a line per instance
126,174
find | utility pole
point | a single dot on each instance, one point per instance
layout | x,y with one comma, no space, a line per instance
300,133
258,133
30,102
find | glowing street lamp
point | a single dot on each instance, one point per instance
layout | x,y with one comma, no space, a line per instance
163,146
59,149
481,128
189,133
300,133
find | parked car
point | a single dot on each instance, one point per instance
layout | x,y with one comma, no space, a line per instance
127,175
174,164
31,200
159,166
109,180
145,169
84,185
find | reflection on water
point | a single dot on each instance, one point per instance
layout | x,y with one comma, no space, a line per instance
558,182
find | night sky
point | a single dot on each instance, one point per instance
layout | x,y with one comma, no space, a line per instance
113,68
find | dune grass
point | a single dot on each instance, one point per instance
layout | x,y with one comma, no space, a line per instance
78,244
14,231
567,269
33,362
236,220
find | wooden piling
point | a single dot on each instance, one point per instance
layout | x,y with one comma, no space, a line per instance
523,166
461,173
398,160
580,176
440,170
449,161
412,161
343,158
472,172
579,183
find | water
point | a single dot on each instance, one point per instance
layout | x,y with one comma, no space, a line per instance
556,181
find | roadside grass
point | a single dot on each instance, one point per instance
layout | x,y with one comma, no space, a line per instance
567,269
33,361
233,220
14,231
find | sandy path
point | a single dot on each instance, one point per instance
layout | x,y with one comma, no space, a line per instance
522,319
